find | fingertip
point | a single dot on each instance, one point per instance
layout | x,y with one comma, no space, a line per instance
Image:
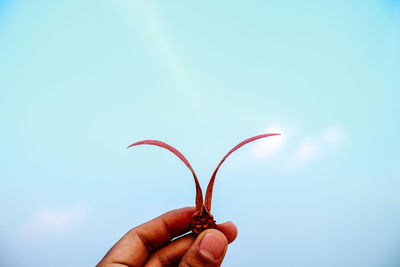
190,209
229,229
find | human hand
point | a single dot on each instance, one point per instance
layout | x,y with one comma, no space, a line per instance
153,243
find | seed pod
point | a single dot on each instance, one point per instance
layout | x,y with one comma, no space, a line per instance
202,218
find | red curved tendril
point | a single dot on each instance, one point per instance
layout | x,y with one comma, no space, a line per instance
210,186
199,194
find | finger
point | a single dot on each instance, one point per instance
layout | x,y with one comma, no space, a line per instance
134,248
229,229
171,254
207,250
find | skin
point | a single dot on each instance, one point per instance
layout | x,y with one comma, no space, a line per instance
165,241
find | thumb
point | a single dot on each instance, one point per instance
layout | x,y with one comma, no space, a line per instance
207,250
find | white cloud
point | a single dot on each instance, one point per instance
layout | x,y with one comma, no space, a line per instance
55,221
306,152
332,136
313,149
268,148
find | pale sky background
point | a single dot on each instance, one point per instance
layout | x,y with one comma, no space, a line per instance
81,80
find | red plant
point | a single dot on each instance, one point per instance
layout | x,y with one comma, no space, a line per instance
202,218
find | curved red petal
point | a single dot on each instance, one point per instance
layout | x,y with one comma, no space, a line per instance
199,194
210,186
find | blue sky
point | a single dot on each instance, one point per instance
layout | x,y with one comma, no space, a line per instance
81,80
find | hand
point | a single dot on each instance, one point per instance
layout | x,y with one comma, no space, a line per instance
152,243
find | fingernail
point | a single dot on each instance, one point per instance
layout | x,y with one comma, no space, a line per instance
212,246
